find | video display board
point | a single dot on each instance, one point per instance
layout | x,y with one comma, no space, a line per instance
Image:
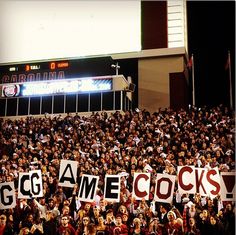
56,70
95,84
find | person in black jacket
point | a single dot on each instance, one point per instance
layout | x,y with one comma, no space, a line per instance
215,226
50,224
229,219
163,214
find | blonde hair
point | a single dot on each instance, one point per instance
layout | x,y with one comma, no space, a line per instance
22,231
136,220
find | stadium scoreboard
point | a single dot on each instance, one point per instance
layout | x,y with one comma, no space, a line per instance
34,72
56,77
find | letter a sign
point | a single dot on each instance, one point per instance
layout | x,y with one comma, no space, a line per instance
68,173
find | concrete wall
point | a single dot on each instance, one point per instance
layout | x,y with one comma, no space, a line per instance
153,78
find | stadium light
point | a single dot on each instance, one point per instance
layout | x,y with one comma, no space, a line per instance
117,67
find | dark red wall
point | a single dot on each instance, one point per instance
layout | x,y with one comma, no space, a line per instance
154,24
178,91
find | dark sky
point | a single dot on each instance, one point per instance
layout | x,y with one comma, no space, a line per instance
211,33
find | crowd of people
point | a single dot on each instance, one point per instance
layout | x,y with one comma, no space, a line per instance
114,143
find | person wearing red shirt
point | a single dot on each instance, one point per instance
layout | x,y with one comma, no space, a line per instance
173,227
4,229
65,226
119,227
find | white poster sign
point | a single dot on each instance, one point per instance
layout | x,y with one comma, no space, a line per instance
228,186
88,188
7,195
24,185
212,182
112,188
36,188
68,173
186,179
164,190
141,186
